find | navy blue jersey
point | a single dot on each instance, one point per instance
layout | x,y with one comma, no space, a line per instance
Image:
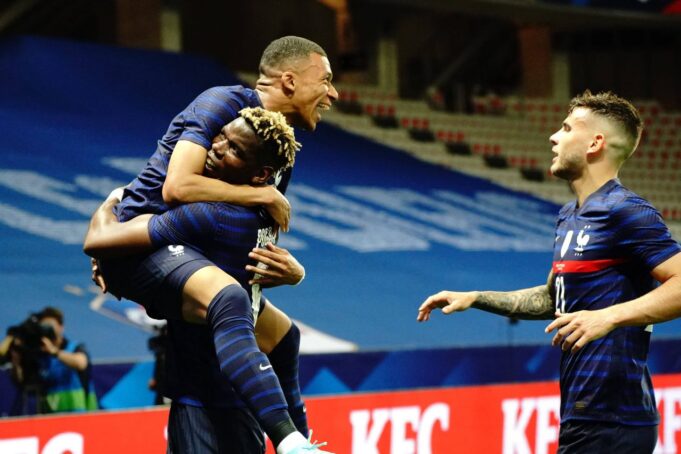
224,234
199,123
603,255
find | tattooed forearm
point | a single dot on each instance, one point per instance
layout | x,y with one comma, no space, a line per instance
531,303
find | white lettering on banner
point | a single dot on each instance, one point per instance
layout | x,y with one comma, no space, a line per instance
47,189
517,415
481,225
365,219
67,232
671,420
367,229
70,442
26,445
368,426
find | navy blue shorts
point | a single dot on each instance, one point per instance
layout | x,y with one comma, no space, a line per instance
156,280
213,431
580,437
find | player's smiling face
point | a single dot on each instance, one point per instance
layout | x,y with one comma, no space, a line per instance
314,92
232,155
570,144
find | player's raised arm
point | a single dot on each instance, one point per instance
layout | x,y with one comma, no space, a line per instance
533,303
186,183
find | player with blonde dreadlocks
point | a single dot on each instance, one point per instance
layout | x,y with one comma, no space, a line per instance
272,129
199,274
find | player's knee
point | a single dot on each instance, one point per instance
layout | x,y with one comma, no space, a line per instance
233,299
289,346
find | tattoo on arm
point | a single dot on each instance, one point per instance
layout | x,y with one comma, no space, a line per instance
533,303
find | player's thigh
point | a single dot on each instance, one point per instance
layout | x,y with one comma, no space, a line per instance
271,327
156,280
200,289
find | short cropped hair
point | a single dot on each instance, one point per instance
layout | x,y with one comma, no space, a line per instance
286,50
275,135
51,312
617,109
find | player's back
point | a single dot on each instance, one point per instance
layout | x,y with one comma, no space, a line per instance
198,123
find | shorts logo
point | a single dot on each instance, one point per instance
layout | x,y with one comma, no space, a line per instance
263,367
176,251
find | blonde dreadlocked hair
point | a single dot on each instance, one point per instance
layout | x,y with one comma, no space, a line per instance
274,134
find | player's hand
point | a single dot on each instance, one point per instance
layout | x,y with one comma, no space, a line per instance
282,267
97,277
278,207
447,301
576,329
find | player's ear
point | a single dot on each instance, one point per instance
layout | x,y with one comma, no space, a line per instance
288,82
597,143
263,175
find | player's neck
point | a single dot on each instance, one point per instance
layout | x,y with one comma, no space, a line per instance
589,182
273,99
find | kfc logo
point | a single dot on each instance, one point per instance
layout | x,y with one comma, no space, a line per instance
67,442
669,403
518,413
369,425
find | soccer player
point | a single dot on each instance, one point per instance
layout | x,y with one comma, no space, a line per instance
183,282
610,248
296,80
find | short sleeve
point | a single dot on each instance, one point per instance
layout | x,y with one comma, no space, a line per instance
186,224
209,112
641,232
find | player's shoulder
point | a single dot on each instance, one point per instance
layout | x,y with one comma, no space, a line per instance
624,199
240,94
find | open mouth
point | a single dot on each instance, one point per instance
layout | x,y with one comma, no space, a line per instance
210,162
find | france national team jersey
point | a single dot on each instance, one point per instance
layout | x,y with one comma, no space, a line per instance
224,234
199,123
603,255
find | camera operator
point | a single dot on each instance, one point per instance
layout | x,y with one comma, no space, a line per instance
49,367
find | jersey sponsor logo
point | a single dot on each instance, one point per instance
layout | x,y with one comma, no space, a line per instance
176,250
411,427
585,266
263,367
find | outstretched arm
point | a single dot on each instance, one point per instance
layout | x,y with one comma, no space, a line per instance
576,329
106,237
534,303
185,183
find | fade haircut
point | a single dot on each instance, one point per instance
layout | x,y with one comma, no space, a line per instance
617,109
285,51
275,136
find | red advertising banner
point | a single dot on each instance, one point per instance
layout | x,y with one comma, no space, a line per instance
507,419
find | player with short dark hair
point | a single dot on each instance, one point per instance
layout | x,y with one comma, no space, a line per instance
610,248
296,80
204,279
